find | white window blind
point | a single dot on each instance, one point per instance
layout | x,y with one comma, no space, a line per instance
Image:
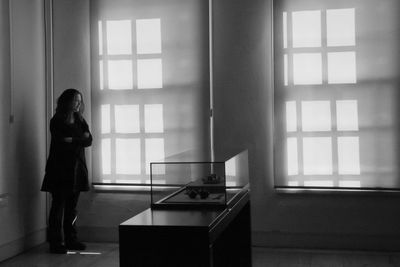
150,86
336,94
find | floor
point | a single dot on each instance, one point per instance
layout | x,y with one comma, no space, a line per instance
106,255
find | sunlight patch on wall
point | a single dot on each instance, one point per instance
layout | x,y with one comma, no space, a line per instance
127,119
342,67
106,155
119,37
127,156
316,116
120,74
341,27
349,156
307,68
292,156
155,153
148,36
149,73
153,117
317,155
306,28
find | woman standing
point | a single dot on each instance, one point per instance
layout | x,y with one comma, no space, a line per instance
66,172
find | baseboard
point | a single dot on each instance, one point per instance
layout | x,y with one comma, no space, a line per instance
18,246
326,241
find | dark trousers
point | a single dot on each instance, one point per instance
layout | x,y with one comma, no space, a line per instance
62,217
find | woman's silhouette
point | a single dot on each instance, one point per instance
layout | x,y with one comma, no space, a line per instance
66,172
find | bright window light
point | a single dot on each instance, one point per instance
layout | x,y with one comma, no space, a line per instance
342,67
155,153
318,183
105,119
119,37
106,156
349,183
101,74
293,183
284,29
285,70
293,165
307,68
127,119
126,181
317,155
153,117
149,73
349,155
120,74
341,27
230,167
347,115
148,36
291,116
306,28
316,116
100,24
128,156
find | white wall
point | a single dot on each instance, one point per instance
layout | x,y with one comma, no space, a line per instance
23,142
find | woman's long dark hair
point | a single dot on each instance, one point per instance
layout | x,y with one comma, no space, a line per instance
64,103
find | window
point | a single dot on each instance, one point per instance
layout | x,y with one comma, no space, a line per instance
141,111
328,94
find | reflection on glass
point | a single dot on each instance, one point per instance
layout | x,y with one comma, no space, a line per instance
347,115
106,156
306,28
100,24
292,160
230,167
341,27
149,73
349,155
105,119
291,116
318,183
101,69
120,74
317,155
155,153
349,183
307,68
342,67
316,116
153,117
127,119
127,156
284,29
148,36
119,37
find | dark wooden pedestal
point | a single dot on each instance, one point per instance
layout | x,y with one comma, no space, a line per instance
190,237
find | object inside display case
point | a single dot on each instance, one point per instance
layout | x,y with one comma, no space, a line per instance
197,184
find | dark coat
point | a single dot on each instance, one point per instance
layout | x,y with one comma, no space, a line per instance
66,169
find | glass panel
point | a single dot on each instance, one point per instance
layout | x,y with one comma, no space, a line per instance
120,74
155,153
293,165
101,74
153,117
319,183
148,36
306,27
340,27
316,116
307,68
317,155
128,156
100,37
230,167
106,156
291,116
119,37
342,67
149,73
347,115
127,119
349,155
285,70
284,29
105,119
349,183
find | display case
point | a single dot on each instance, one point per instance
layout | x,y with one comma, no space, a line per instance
198,184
